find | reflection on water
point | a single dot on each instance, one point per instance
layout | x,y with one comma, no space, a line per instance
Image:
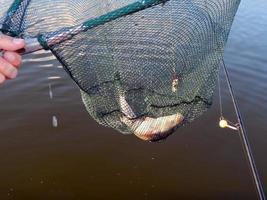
82,160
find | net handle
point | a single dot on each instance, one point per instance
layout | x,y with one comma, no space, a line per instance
45,42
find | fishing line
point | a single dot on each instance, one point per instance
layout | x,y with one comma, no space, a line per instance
220,95
244,139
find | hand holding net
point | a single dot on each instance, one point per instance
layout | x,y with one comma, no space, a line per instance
143,67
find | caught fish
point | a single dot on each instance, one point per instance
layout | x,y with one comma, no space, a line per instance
126,109
174,84
149,128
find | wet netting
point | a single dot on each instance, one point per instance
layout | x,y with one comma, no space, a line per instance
143,67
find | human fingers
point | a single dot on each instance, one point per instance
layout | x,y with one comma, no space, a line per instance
6,69
2,78
11,44
13,58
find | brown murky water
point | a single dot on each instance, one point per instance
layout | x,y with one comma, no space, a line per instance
83,160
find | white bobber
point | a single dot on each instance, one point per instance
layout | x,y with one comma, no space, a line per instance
224,124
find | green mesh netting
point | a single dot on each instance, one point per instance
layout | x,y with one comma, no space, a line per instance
141,66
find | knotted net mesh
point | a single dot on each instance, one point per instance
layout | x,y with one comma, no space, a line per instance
138,68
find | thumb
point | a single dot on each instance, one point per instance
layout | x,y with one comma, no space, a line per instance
11,44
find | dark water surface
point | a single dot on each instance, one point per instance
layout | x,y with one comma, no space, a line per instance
83,160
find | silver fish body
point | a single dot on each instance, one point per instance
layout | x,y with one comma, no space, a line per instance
149,128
